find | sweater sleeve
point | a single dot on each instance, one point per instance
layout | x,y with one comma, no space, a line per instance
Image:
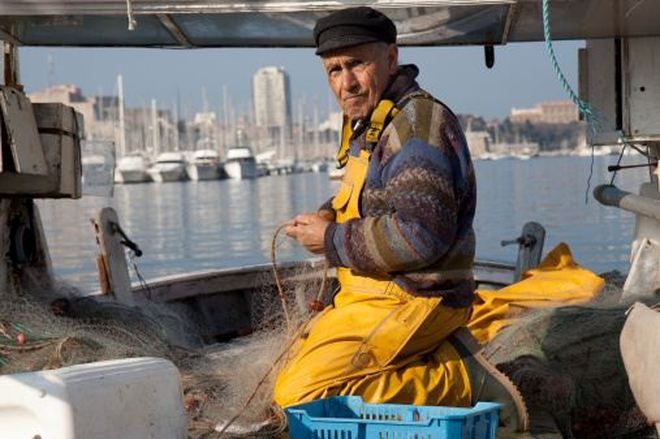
421,225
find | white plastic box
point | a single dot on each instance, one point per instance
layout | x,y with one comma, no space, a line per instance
134,398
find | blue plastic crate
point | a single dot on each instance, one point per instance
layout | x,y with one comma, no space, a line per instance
348,417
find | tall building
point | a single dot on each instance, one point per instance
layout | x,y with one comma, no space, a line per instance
271,96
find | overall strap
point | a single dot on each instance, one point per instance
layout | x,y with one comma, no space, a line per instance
385,110
382,114
346,133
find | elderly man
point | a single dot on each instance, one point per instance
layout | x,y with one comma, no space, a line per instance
399,231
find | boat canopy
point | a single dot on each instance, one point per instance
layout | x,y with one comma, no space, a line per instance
283,23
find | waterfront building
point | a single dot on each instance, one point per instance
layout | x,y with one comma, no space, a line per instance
559,112
551,112
99,112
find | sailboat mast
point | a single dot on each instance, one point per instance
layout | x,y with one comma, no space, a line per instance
154,127
315,122
175,131
122,121
225,119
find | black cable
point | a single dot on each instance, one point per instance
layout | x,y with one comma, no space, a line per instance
143,283
618,162
591,173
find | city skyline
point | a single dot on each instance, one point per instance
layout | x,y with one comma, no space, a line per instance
304,136
522,75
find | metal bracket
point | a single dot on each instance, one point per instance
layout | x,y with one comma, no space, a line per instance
530,248
113,270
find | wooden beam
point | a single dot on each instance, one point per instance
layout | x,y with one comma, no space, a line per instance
13,184
5,35
20,126
175,30
511,17
10,58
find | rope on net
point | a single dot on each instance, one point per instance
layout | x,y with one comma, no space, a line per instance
315,305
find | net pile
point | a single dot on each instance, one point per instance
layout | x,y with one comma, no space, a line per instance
567,365
565,361
52,329
219,384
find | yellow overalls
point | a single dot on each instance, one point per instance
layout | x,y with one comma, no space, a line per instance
388,346
377,341
557,281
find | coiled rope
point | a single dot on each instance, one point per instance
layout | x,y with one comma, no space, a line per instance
315,305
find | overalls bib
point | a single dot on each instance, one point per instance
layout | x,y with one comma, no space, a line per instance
377,340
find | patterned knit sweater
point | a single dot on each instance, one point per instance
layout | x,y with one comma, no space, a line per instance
417,204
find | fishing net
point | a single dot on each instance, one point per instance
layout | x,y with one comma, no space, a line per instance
52,327
565,361
567,365
231,390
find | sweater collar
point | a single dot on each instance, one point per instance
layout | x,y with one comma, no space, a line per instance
401,85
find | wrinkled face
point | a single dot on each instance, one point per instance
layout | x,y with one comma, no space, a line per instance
358,76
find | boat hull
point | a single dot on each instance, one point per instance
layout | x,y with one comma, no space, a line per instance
203,171
241,170
219,299
165,175
127,176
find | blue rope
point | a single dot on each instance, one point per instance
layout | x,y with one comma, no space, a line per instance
582,106
589,114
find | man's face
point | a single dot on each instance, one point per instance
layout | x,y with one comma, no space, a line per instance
358,76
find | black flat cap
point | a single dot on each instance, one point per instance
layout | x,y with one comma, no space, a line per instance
352,26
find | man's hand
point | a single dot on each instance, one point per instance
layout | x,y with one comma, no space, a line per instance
328,214
309,230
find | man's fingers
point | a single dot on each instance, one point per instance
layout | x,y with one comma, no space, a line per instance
302,219
292,231
328,215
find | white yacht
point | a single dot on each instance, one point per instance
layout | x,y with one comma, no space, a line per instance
241,163
204,165
169,166
132,168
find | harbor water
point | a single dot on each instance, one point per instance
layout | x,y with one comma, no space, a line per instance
193,226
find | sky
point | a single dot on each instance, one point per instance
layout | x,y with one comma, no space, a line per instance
522,75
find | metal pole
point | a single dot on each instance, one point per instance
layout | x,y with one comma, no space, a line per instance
122,121
155,126
225,121
610,195
315,122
